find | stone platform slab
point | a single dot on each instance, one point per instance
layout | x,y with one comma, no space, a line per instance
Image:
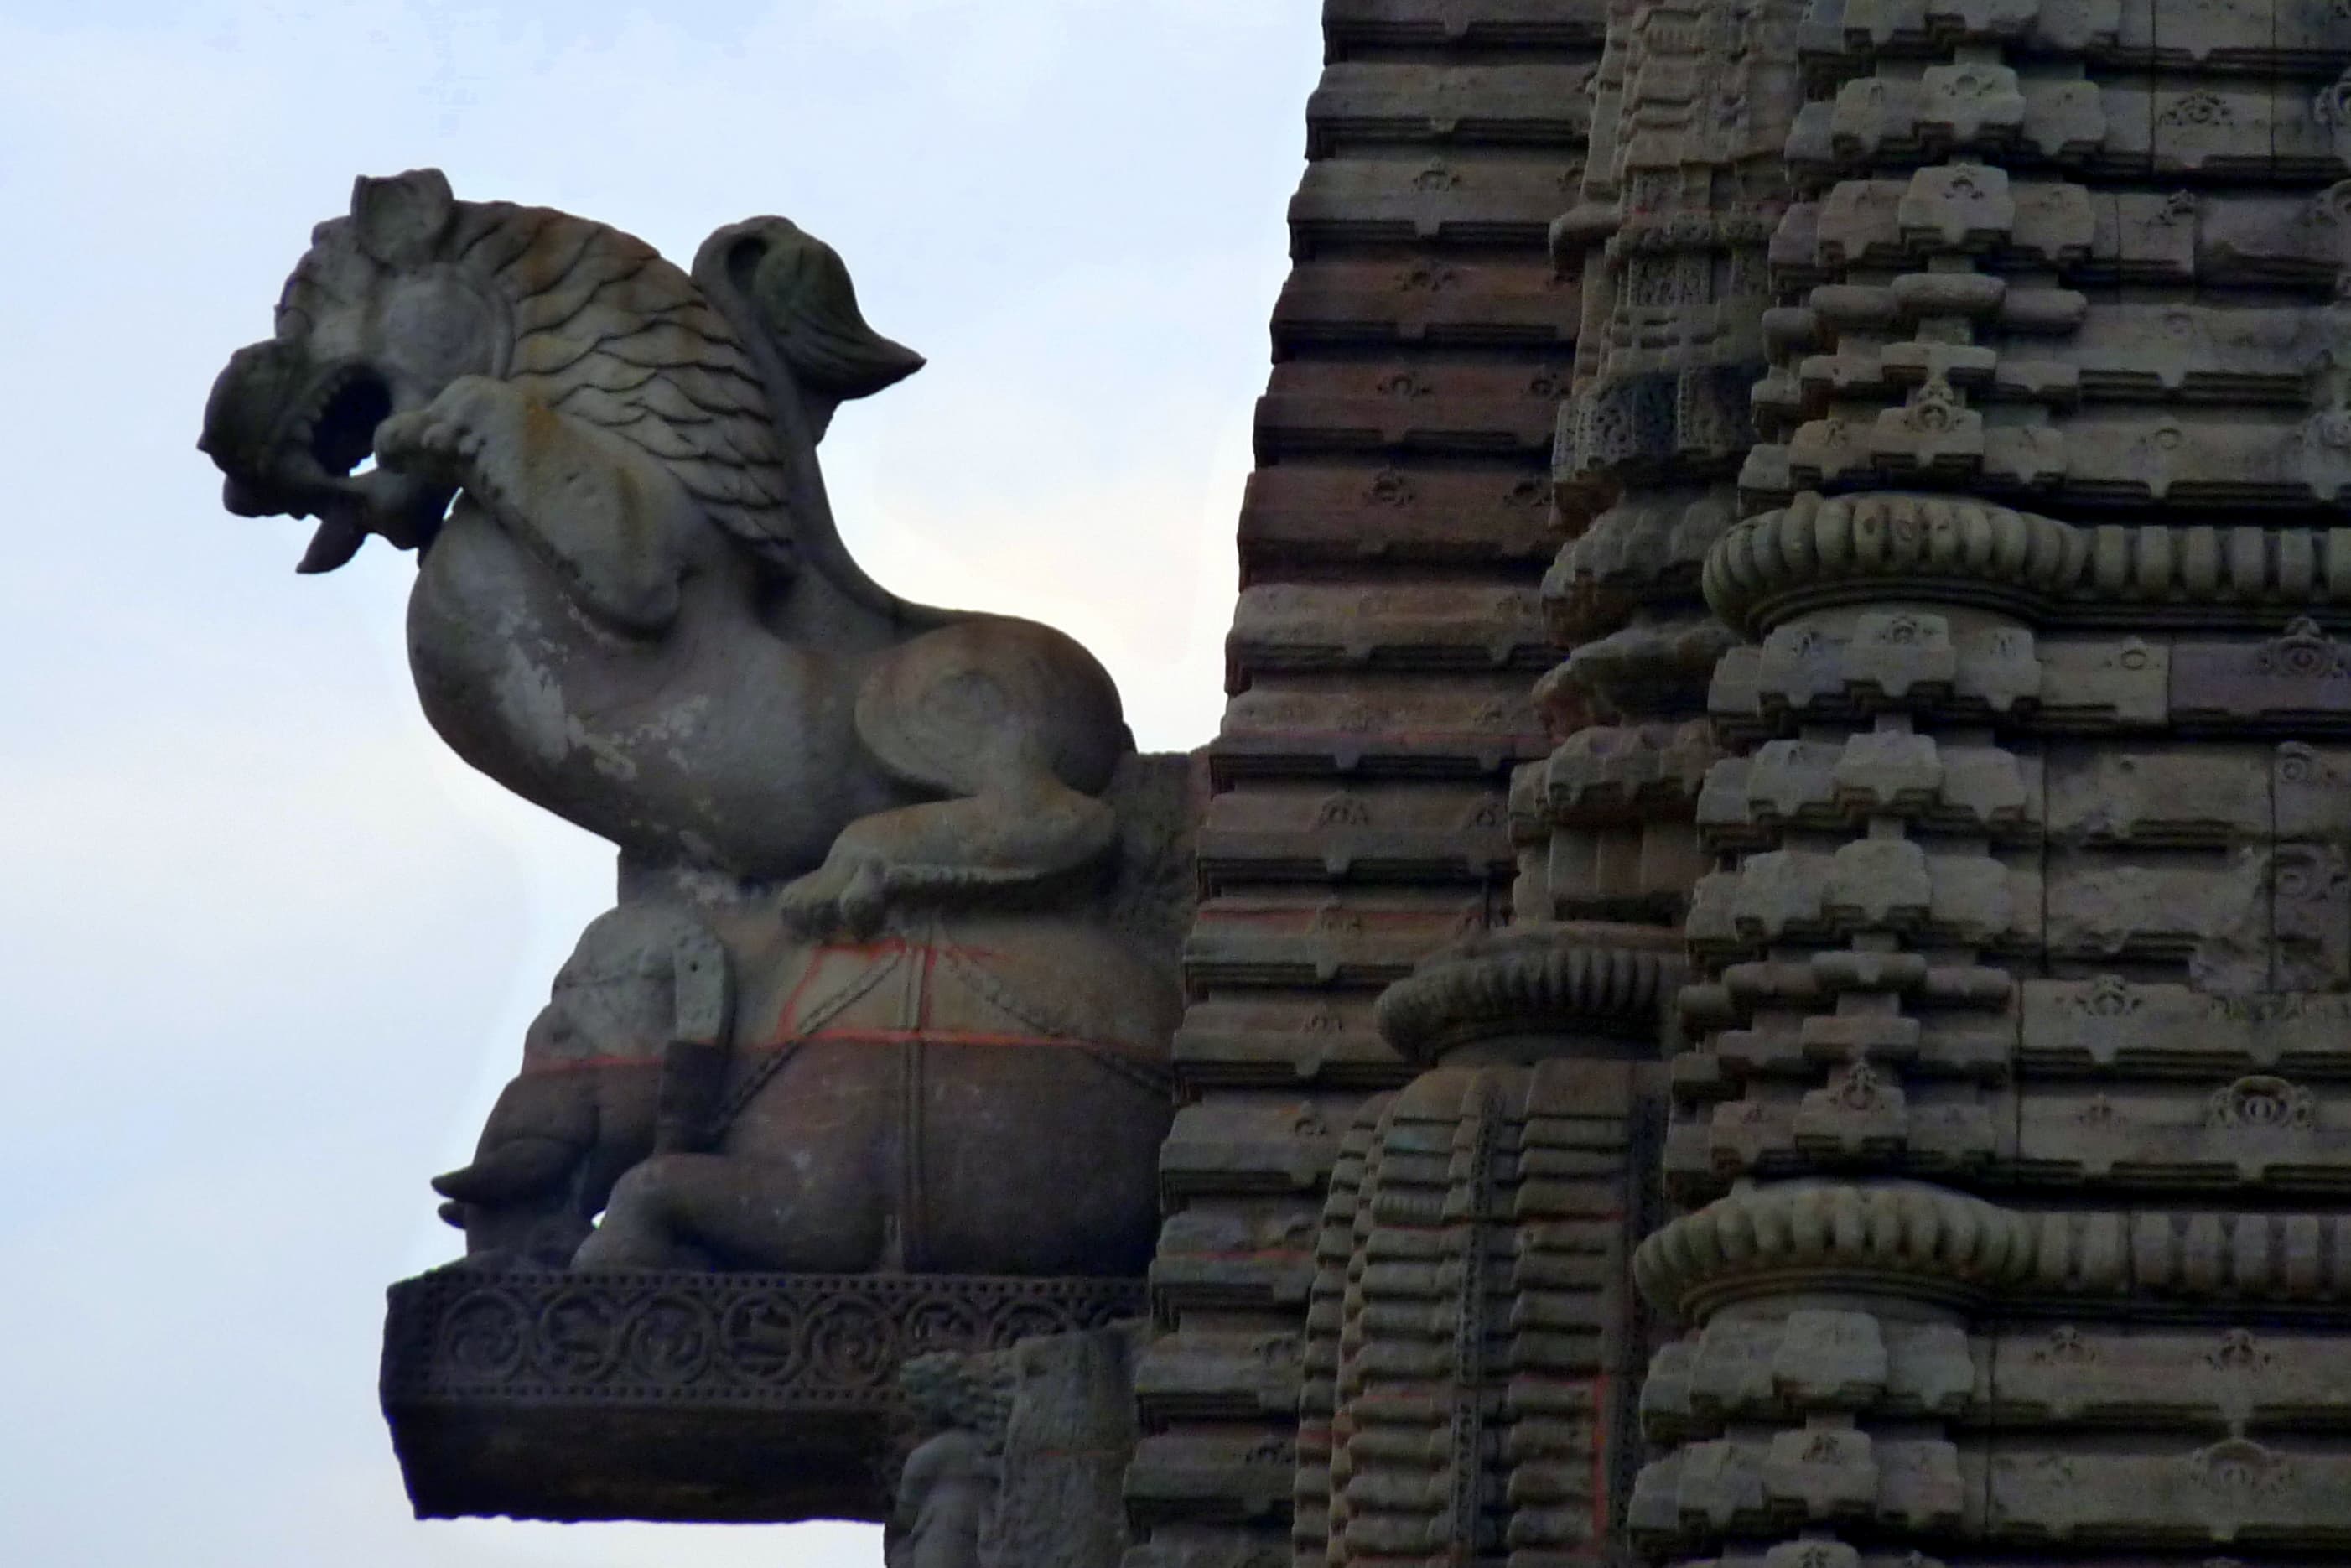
675,1396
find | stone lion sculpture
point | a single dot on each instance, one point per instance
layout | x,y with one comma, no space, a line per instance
632,605
632,608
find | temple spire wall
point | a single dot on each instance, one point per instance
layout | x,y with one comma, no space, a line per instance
2040,559
1390,629
1473,1302
1978,369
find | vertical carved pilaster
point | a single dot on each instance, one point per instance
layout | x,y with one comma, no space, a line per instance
1473,1334
1855,1018
1680,196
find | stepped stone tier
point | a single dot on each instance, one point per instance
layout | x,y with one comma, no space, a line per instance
1759,974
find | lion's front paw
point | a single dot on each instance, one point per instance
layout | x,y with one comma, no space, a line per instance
847,894
442,440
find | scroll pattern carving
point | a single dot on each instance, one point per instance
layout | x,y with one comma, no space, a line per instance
775,1341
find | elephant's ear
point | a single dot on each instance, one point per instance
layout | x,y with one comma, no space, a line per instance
800,289
400,221
686,1112
704,989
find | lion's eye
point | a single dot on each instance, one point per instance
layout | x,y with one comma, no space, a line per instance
433,325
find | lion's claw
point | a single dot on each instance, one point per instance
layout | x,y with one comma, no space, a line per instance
849,894
442,439
421,442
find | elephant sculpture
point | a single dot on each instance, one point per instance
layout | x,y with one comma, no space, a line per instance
970,1093
615,1066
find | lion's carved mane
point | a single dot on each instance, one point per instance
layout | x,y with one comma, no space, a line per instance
608,331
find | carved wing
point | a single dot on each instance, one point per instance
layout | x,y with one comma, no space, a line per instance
788,297
804,308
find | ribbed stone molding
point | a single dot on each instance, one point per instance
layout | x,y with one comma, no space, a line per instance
1903,1238
1819,552
1983,1252
1565,981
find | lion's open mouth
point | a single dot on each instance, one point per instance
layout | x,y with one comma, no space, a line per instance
334,436
342,422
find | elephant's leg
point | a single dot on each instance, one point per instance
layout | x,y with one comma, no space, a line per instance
748,1213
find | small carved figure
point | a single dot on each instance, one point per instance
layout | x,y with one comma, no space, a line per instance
948,1488
632,606
941,1504
618,1064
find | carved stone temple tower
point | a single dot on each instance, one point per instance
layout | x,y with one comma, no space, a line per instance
1951,465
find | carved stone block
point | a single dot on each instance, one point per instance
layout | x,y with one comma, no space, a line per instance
2259,1129
1457,198
1513,104
1235,1254
1820,1473
1477,24
2109,1023
2168,1378
1423,405
2159,795
2235,1491
1290,939
1250,1039
1231,1472
2124,683
2210,910
1290,725
2300,680
1259,1144
1358,513
1300,626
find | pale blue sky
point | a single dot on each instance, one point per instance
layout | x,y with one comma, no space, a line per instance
267,949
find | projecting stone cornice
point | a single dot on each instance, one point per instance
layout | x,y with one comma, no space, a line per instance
1931,1244
1574,978
1821,552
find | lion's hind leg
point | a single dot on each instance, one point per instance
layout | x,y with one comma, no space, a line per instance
1017,727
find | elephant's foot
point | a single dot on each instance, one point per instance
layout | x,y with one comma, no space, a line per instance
689,1211
638,1231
